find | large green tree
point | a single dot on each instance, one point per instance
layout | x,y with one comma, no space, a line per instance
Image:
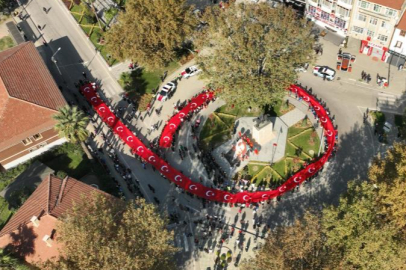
299,246
107,233
388,174
148,31
366,230
71,124
250,51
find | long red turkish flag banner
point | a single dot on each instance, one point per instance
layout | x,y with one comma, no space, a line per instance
175,176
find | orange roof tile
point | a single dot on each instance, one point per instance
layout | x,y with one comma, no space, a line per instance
52,198
28,94
402,22
395,4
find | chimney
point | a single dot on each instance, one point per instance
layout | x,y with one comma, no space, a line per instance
35,221
47,239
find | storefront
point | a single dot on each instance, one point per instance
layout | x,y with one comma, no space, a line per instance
372,49
329,20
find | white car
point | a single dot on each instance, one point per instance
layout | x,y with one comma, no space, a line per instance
166,91
190,71
324,71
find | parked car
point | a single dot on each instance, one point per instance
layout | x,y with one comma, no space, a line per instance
324,71
190,71
166,91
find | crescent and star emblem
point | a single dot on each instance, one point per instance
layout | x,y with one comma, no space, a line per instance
323,119
172,125
226,197
130,139
282,189
193,105
94,99
102,109
86,89
110,119
246,197
178,178
209,193
182,115
311,170
140,149
192,187
317,108
297,179
152,159
264,196
164,168
120,129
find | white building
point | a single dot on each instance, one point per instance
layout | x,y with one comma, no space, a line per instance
397,48
333,14
373,22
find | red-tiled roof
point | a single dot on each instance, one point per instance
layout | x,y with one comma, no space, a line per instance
402,22
53,196
395,4
28,95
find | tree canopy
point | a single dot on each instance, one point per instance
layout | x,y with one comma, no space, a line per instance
147,31
72,124
366,230
250,51
106,233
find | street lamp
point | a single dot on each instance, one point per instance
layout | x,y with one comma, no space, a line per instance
53,56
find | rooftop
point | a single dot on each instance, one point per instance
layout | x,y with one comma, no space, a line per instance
395,4
29,95
52,198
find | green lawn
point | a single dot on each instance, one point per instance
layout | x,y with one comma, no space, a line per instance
307,141
5,212
6,43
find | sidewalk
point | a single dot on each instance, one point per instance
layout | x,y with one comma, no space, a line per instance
365,63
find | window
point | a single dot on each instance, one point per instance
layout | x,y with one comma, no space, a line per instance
398,44
357,29
325,15
26,141
377,8
384,24
340,23
327,3
373,21
390,12
342,11
402,33
362,17
363,4
312,10
382,37
37,137
349,2
370,33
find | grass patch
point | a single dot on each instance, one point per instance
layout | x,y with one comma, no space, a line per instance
5,212
86,29
307,141
141,84
76,9
279,167
6,43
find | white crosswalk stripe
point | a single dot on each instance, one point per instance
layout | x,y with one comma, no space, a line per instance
388,102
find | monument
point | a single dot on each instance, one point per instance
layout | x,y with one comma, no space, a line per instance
262,132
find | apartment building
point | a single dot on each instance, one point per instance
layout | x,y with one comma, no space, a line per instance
373,23
397,48
332,14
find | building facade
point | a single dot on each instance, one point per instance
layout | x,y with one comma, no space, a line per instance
29,97
333,14
397,47
373,23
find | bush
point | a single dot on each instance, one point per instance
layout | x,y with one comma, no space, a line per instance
61,174
110,14
8,176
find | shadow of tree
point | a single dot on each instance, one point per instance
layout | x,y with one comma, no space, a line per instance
356,150
22,242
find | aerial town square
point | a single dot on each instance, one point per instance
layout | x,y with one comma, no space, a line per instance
203,134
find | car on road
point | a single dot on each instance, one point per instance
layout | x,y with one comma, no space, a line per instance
190,71
324,71
166,91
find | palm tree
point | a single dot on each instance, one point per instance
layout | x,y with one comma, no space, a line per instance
72,124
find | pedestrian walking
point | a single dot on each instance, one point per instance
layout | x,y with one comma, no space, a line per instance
39,27
324,77
84,75
45,10
340,51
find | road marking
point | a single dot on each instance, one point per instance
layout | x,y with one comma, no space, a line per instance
186,242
